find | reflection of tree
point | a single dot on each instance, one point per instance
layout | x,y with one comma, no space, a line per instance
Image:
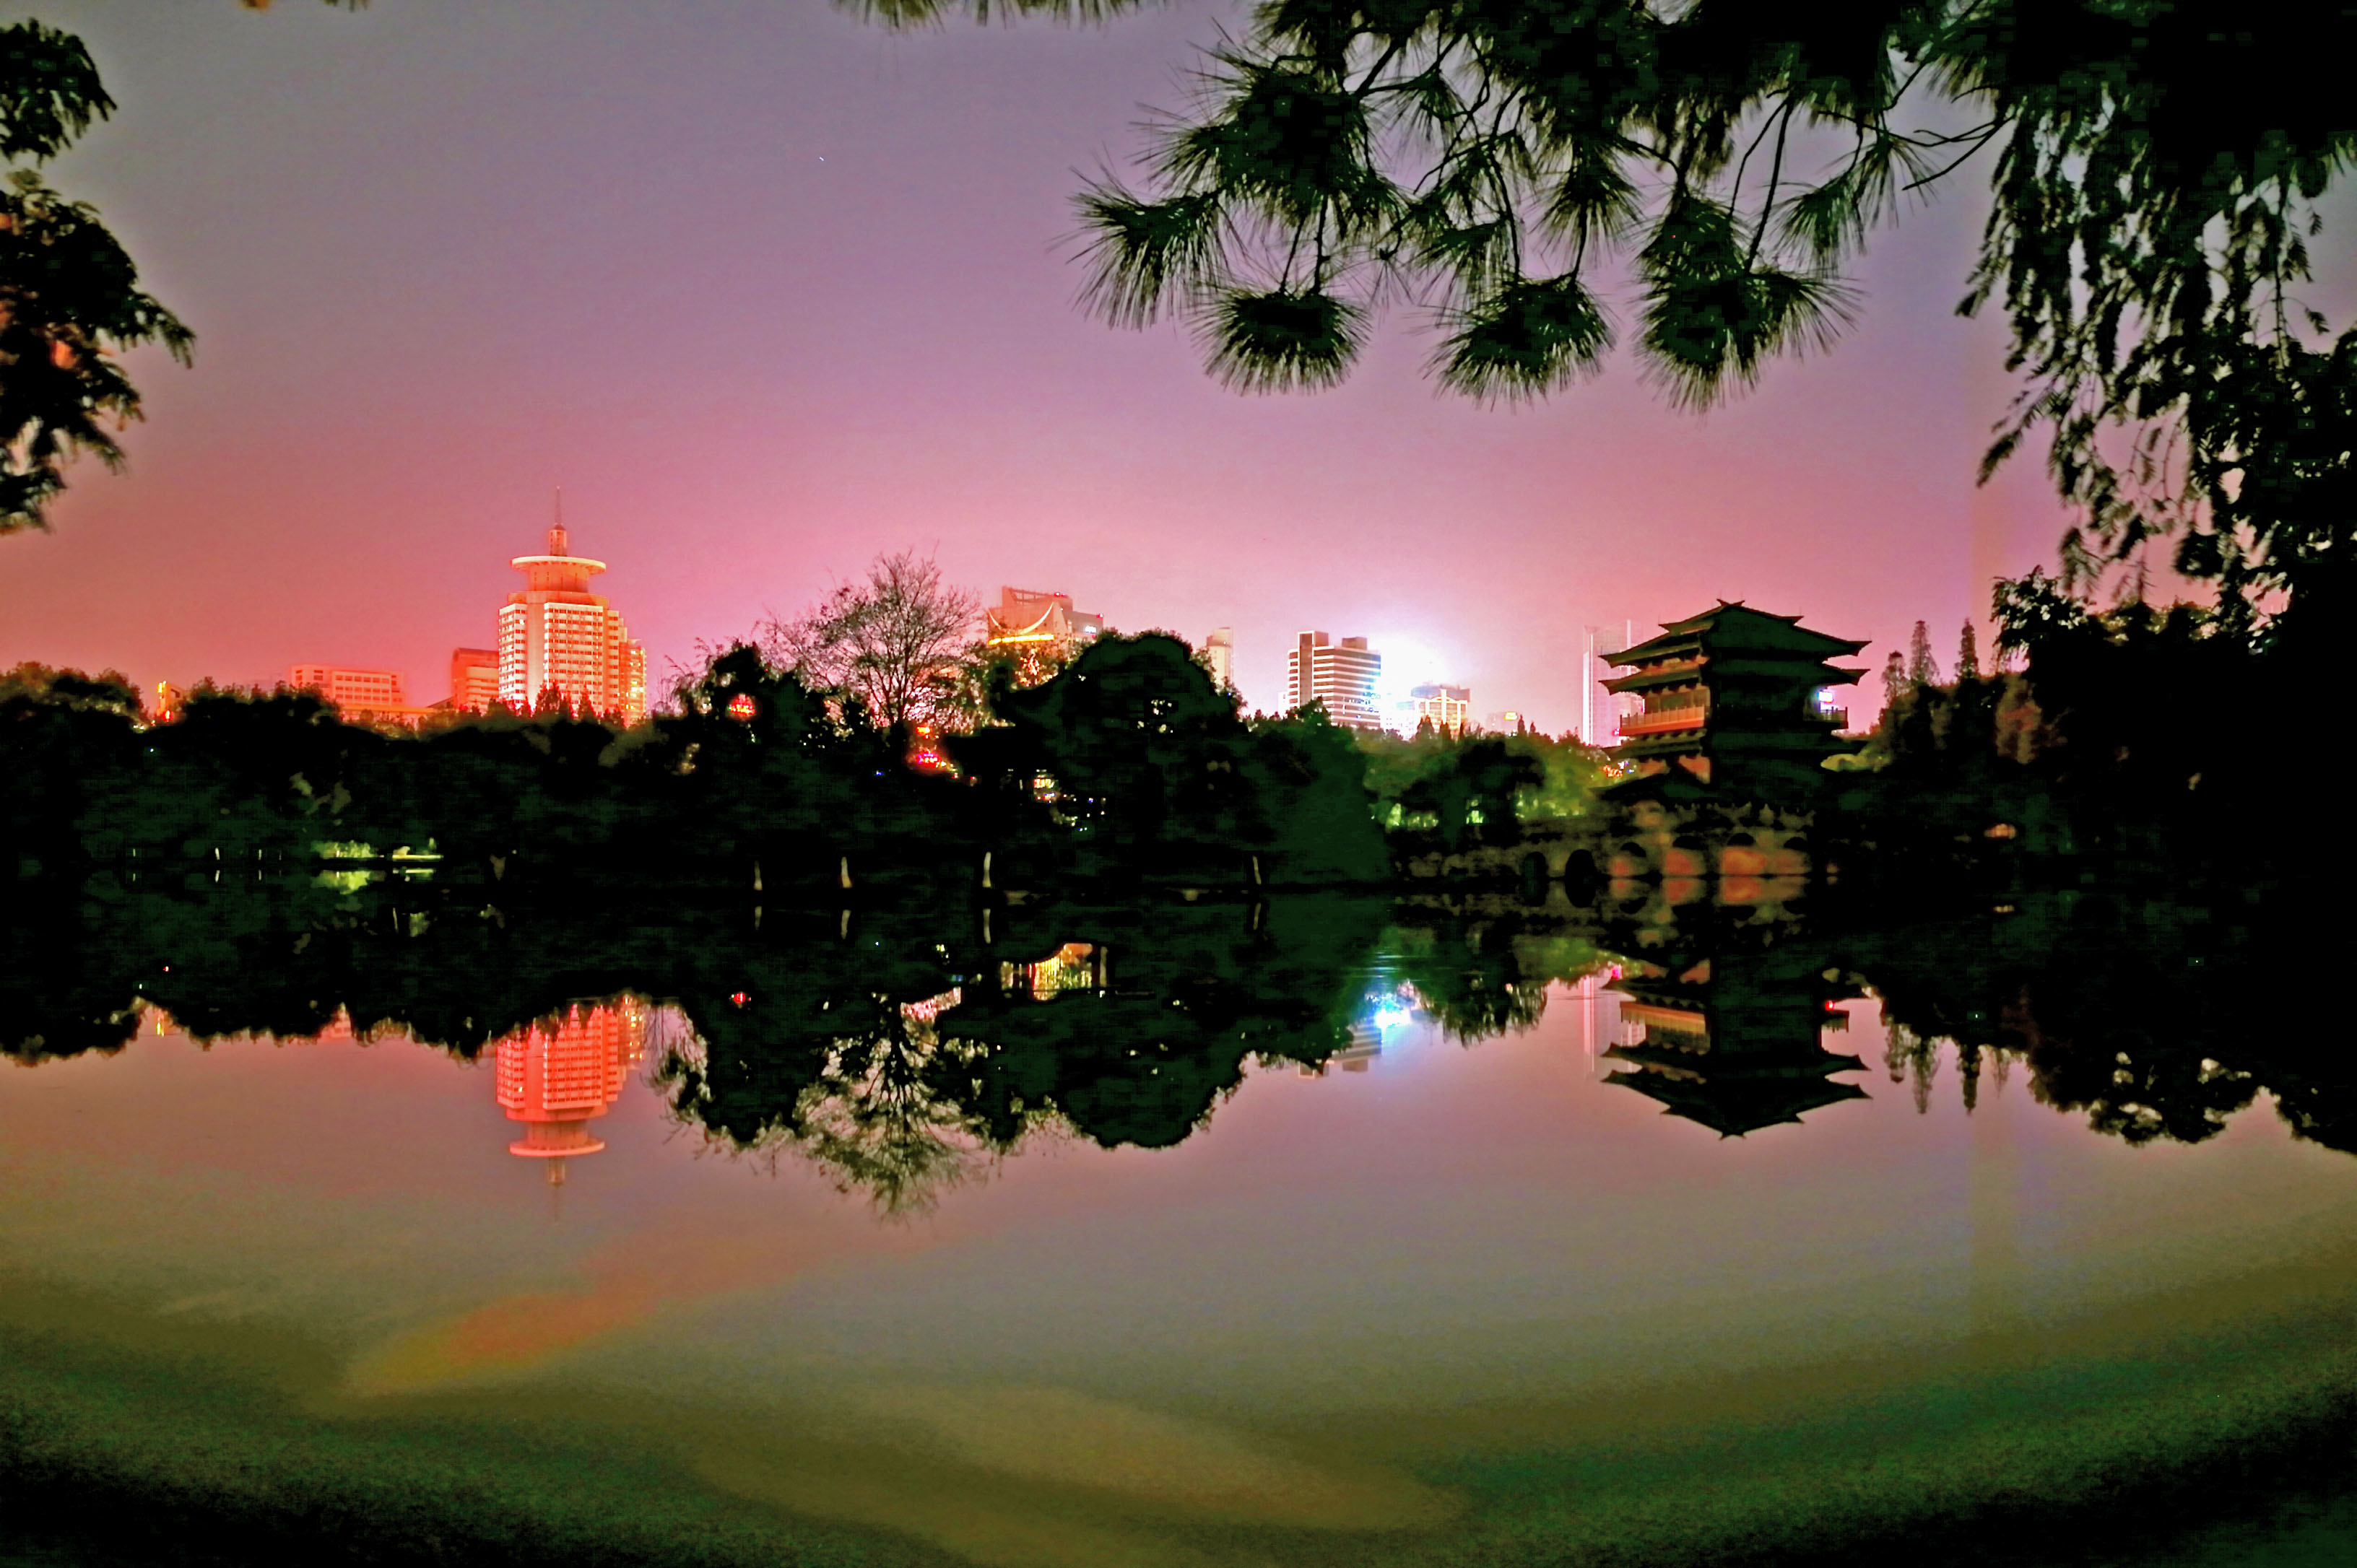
908,1039
2135,1010
872,1111
1482,974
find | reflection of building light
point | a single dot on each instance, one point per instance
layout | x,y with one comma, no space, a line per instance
931,1007
556,1078
1075,966
1364,1043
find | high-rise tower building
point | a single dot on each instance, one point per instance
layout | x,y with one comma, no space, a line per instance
558,636
1218,657
1341,675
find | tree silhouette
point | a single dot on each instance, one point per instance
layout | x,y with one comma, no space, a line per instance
2155,169
1923,669
894,644
70,300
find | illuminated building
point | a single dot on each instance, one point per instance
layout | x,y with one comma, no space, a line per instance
366,696
1340,675
474,679
1027,619
1450,708
557,1077
556,637
1218,657
169,699
351,690
1734,698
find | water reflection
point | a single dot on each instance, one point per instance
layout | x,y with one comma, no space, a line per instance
563,1073
906,1046
1337,1236
1732,1042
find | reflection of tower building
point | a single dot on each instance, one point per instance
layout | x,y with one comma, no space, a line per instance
557,635
1363,1044
557,1077
1731,1042
1340,675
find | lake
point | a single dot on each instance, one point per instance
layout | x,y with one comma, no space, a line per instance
1188,1234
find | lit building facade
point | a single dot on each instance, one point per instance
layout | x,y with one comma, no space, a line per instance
1340,675
1027,618
1450,708
558,636
474,679
556,1078
353,691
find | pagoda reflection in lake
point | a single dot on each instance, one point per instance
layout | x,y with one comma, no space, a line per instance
1732,1040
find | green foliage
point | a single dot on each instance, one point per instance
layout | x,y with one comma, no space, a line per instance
70,300
50,90
1454,785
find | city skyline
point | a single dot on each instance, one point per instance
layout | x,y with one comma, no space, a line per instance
380,393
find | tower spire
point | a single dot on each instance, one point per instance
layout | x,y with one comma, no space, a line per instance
557,542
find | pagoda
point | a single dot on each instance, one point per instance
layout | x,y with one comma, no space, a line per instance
1732,701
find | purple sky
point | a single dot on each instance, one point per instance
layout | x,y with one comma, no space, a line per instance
768,291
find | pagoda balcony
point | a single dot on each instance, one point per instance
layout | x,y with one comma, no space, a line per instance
1668,721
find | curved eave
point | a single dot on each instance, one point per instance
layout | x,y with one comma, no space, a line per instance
525,562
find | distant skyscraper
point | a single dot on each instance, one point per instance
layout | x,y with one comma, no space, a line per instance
1449,707
558,636
1220,658
474,678
1341,675
1601,710
353,691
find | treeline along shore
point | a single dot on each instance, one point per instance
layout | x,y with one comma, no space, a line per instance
1112,899
1128,767
1129,770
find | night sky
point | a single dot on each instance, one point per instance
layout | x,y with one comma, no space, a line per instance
768,290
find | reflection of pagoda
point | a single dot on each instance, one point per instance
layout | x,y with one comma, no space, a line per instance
1738,1051
557,1077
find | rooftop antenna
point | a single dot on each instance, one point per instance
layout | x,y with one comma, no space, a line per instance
556,540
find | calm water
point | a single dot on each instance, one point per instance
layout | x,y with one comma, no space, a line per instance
1438,1298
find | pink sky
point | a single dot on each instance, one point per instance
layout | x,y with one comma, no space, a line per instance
770,291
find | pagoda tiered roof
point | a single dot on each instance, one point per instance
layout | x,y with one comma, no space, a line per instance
1733,685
